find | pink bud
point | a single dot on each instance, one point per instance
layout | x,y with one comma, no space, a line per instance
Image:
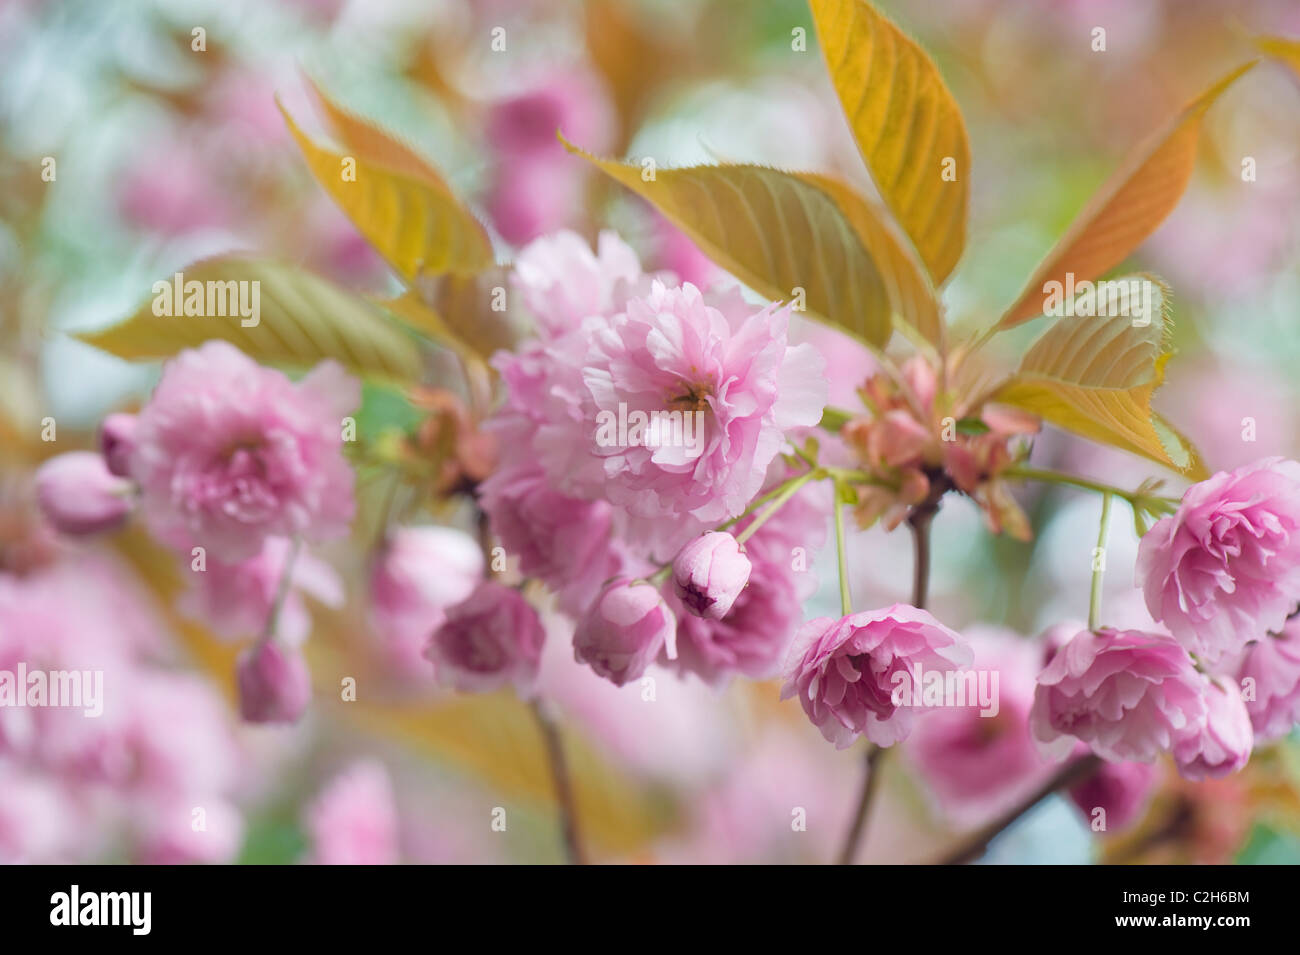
709,573
78,495
624,631
274,684
117,442
491,639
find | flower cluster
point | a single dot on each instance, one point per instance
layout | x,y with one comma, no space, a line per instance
233,465
1222,574
580,500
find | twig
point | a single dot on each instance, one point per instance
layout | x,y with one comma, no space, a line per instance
563,786
865,799
1070,774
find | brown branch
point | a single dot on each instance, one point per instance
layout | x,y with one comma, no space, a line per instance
865,798
563,786
1071,774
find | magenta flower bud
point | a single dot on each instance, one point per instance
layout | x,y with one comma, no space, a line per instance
274,684
78,495
117,442
624,631
491,639
709,573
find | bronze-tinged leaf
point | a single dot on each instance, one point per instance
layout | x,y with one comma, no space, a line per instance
302,320
414,222
1094,375
1126,209
908,127
912,296
462,311
774,231
369,139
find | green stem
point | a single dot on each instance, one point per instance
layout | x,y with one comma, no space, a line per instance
787,491
1098,565
1060,477
846,600
281,592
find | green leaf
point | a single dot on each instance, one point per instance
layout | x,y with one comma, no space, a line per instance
302,319
775,231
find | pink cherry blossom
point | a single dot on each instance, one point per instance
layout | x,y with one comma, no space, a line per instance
675,351
1223,742
980,760
1272,664
418,573
846,672
1121,789
354,819
563,281
491,639
230,453
1128,694
565,542
537,184
1225,568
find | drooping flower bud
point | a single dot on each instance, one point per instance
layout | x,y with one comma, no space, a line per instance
117,442
624,630
78,494
709,573
274,684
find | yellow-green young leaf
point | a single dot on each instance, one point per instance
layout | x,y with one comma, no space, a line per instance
1094,374
774,231
916,306
906,123
416,224
276,313
1126,209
